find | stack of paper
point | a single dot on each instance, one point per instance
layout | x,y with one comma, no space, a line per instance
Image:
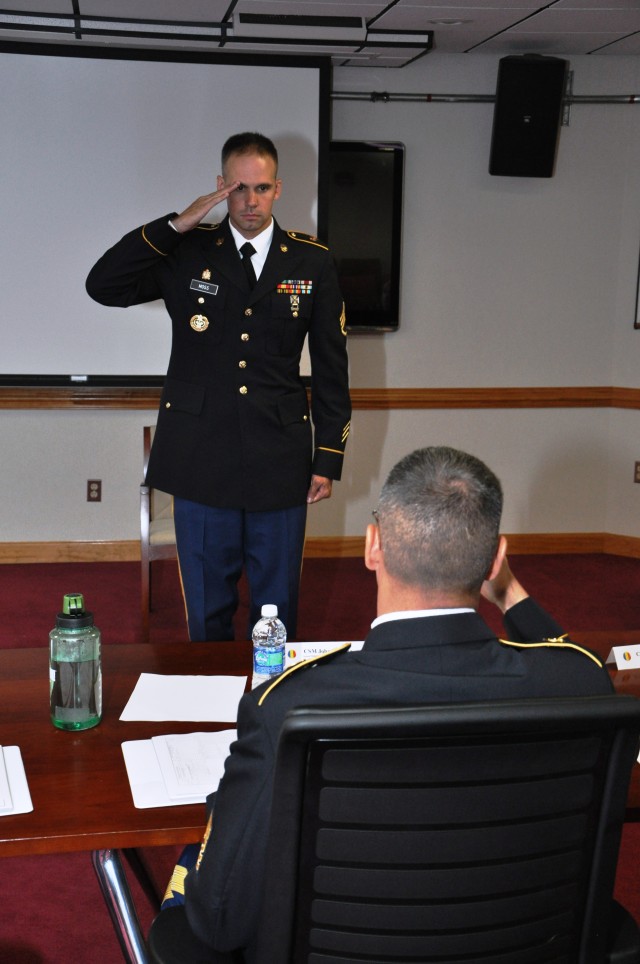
14,789
167,771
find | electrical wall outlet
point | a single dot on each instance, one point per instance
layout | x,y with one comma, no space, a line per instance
94,490
636,471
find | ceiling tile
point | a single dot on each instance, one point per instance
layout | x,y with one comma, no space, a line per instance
499,26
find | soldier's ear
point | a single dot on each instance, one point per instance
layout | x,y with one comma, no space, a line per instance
499,558
372,548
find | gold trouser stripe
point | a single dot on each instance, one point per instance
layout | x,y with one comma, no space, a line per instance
184,596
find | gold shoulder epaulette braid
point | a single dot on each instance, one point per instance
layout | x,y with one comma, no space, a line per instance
560,643
306,239
145,238
303,664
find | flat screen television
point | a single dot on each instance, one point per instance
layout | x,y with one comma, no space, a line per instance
364,230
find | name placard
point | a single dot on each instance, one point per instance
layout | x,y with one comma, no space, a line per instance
625,657
297,652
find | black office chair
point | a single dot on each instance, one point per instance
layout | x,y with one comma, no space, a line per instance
485,832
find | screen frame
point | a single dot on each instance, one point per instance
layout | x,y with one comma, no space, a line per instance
321,64
387,320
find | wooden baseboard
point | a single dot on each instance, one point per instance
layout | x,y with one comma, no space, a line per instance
123,397
124,551
129,551
333,547
544,543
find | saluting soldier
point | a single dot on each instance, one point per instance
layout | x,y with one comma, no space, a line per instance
235,443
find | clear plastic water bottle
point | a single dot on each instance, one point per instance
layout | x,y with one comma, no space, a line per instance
75,674
269,639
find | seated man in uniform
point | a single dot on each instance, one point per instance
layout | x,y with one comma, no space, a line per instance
435,547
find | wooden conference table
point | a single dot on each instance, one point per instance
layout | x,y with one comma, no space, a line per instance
78,781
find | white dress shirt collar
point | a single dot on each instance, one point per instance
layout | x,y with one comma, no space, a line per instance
261,242
417,614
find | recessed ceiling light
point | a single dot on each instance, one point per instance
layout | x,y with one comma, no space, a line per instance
450,23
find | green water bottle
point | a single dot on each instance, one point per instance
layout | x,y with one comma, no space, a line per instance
75,673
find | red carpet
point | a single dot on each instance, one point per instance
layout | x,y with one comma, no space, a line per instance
583,591
51,907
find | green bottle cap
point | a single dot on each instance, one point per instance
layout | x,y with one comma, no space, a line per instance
73,615
73,604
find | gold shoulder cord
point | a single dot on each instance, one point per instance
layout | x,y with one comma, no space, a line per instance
558,643
306,239
300,665
163,253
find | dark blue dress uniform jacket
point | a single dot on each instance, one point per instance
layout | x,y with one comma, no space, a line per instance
233,428
433,659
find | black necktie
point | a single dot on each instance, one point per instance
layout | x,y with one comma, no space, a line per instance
246,251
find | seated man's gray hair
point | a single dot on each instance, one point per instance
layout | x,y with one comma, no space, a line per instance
439,517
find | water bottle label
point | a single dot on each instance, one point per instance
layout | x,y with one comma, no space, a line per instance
269,662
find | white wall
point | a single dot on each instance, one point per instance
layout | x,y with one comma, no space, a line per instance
47,458
510,281
506,281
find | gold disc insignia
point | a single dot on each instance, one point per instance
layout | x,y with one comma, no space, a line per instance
199,322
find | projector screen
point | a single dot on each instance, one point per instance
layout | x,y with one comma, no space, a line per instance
95,145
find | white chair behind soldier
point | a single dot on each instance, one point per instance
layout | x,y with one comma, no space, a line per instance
157,530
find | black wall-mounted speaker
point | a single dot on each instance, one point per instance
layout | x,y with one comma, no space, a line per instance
527,115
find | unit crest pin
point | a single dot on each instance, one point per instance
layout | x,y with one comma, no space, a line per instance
199,323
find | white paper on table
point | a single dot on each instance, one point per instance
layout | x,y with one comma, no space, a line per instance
6,802
192,763
148,786
17,779
191,699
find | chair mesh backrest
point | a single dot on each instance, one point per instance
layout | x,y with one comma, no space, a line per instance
456,840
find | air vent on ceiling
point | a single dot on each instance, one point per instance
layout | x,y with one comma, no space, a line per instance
300,27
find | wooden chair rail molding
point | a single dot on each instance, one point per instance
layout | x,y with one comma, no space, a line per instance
331,547
598,396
